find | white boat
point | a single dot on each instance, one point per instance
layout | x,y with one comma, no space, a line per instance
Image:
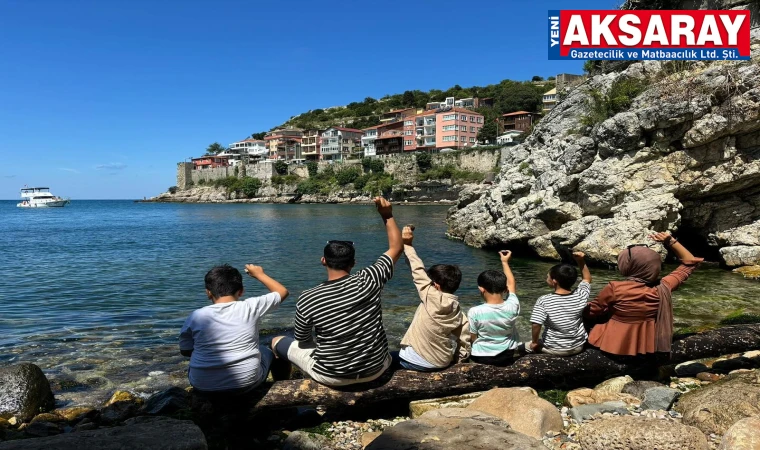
40,197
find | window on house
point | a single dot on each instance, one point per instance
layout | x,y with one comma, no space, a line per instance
463,139
450,117
472,118
408,132
472,139
408,122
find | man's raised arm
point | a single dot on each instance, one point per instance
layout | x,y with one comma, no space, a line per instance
395,244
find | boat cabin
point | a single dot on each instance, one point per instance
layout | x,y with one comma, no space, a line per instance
36,192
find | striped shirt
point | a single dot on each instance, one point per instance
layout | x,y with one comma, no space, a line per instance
494,325
347,321
562,318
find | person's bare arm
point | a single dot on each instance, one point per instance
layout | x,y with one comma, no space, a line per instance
535,335
581,261
505,256
395,244
419,275
270,283
672,243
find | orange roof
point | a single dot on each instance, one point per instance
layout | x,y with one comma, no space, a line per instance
517,113
353,130
251,140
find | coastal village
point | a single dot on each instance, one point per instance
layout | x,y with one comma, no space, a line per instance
441,126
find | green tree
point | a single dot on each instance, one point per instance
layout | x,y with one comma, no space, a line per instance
347,175
377,166
424,161
537,78
313,168
551,78
259,136
488,132
249,186
280,167
408,98
215,149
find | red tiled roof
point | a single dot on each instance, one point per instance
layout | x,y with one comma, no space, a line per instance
354,130
517,113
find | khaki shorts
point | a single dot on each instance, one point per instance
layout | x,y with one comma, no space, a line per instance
302,356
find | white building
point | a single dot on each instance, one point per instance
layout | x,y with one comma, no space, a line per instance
368,141
509,137
252,148
337,143
549,100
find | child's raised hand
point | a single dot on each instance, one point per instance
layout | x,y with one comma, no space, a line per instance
254,271
407,234
579,255
660,237
505,255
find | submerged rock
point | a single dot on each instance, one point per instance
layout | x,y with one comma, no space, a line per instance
158,433
453,429
639,433
24,392
522,409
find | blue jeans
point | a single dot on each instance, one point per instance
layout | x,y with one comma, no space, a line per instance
398,361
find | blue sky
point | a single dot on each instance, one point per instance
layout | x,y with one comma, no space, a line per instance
100,99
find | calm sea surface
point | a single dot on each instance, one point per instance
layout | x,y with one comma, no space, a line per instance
96,292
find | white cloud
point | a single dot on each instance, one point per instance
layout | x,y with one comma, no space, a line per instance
69,170
111,166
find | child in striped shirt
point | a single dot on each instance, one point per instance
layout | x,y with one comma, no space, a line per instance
492,325
561,313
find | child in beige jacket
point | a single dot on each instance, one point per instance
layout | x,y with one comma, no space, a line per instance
439,333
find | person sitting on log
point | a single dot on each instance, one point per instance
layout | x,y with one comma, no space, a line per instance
222,339
639,311
439,333
345,314
561,313
492,324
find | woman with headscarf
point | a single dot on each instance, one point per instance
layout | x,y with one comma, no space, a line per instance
638,310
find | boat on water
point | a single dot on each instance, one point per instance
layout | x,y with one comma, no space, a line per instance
40,197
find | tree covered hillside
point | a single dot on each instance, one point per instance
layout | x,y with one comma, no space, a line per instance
508,95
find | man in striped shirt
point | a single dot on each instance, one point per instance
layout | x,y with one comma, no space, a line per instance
561,313
344,315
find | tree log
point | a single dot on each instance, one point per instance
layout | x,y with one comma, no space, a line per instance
537,371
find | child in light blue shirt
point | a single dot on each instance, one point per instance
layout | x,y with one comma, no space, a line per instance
492,324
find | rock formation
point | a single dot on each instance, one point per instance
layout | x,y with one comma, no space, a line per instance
684,156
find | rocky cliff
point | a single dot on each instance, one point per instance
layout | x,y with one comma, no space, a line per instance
684,155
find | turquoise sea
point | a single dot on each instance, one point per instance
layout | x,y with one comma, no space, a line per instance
95,293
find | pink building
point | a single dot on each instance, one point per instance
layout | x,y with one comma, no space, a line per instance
433,130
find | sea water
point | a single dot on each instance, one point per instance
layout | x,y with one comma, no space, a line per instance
95,293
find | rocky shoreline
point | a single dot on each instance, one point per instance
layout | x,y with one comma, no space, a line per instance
703,404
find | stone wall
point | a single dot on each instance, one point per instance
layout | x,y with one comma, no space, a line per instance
402,167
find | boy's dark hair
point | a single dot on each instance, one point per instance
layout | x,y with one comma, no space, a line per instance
493,281
224,280
447,276
340,255
565,274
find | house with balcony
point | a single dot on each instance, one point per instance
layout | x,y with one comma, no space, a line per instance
310,144
549,101
389,142
519,120
210,162
251,149
369,135
337,143
510,137
284,144
448,128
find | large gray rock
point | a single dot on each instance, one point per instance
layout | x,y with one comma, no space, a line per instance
301,440
24,392
684,155
717,406
155,433
637,388
583,412
659,398
639,433
453,429
167,401
522,409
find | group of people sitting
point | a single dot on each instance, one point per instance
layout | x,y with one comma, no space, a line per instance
339,338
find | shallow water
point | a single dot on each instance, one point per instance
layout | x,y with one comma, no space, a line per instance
95,293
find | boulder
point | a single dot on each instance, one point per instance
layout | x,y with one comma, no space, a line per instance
420,407
522,409
717,406
24,392
301,440
76,413
691,368
639,433
166,402
120,407
707,376
637,388
743,435
613,385
584,412
659,398
158,433
42,429
369,436
453,429
586,396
